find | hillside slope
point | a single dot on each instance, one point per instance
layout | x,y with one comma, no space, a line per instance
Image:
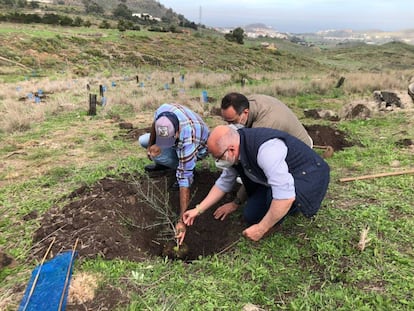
87,50
84,51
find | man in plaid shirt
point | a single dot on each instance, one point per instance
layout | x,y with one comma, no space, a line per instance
182,136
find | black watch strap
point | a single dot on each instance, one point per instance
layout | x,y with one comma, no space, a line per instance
237,201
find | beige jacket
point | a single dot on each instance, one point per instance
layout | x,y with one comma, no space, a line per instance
267,111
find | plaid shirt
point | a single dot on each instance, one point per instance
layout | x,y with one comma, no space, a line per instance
193,135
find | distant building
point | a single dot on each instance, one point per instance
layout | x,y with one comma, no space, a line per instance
146,16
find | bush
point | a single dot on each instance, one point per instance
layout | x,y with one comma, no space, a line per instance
237,35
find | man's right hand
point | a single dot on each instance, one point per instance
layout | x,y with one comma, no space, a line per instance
224,210
180,230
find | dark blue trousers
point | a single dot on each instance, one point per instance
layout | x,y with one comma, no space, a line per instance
258,203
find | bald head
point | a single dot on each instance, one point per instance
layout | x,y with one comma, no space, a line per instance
221,138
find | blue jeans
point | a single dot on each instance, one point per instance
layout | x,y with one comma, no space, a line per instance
258,203
168,156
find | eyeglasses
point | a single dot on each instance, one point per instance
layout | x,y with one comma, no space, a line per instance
218,159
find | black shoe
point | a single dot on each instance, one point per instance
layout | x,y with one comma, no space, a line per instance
175,186
155,167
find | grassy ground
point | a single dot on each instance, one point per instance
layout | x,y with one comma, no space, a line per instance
357,254
309,266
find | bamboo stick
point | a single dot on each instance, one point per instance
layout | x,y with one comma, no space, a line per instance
320,147
13,62
376,175
37,274
62,297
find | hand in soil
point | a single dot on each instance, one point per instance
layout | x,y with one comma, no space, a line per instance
224,210
180,229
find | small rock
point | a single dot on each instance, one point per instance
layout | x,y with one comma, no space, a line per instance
6,260
395,163
252,307
125,126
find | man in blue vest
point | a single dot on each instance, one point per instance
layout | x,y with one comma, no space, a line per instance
281,174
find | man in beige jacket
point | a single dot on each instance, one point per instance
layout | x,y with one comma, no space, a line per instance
259,111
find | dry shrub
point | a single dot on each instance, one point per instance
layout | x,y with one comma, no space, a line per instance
280,88
148,102
68,93
19,116
206,79
363,82
322,85
18,113
355,83
63,103
82,288
9,300
285,84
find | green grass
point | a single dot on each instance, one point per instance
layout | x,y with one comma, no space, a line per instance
311,265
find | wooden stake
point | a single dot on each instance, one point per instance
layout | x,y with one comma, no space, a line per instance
376,175
37,274
62,297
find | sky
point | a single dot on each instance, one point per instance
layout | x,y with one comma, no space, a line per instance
299,16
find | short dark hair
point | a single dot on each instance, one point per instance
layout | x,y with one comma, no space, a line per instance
238,101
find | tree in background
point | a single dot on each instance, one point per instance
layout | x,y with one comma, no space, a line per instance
122,11
34,5
237,35
105,24
92,7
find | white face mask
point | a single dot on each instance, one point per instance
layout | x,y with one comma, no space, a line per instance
240,124
237,126
223,164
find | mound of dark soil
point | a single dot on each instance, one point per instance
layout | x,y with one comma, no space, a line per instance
124,219
326,136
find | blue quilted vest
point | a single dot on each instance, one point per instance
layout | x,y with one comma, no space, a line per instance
310,172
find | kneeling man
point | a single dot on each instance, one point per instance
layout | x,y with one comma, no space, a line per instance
282,175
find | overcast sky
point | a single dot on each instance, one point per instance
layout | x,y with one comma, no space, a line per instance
298,16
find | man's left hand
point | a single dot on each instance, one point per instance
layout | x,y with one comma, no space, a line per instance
254,232
226,209
180,230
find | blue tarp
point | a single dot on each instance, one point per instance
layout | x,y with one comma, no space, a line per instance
50,283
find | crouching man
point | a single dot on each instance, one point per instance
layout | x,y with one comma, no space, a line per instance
281,174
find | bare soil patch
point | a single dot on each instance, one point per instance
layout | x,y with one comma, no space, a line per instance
328,136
